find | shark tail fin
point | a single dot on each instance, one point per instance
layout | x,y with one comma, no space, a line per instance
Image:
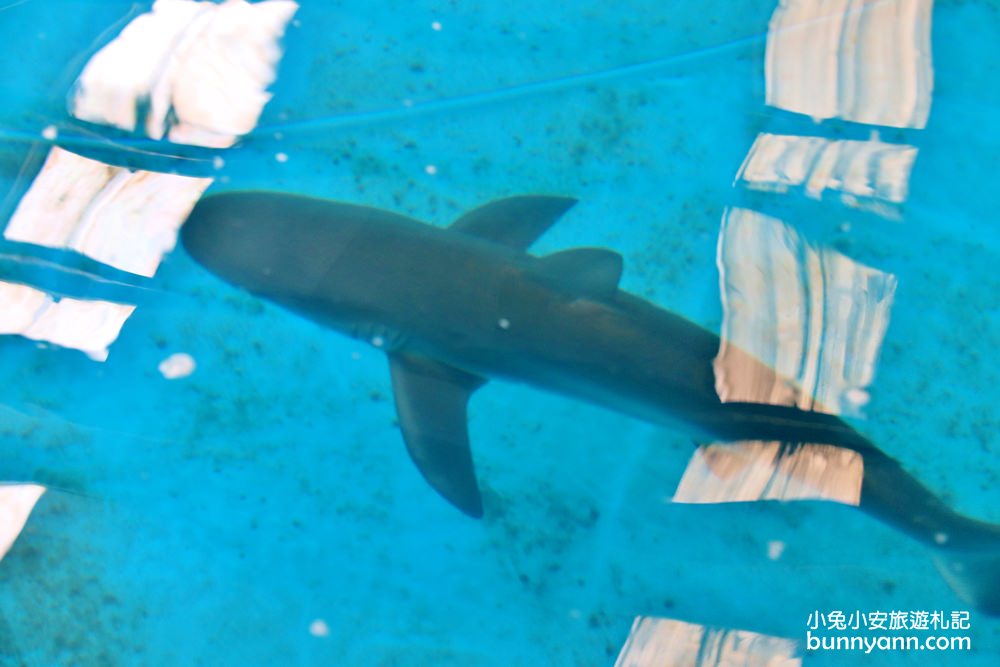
974,575
965,550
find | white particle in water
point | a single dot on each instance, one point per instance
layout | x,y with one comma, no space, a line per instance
319,628
431,169
281,157
857,397
177,366
50,133
436,25
378,341
503,323
218,162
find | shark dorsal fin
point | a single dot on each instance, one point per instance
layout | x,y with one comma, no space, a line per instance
514,221
588,271
431,400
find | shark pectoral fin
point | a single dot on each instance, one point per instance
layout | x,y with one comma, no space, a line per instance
431,400
589,271
514,221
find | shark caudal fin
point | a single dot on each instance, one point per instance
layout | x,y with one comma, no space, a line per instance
974,574
965,550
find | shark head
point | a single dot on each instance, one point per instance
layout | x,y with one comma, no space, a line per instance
252,240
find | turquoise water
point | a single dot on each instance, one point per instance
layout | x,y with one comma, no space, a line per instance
214,519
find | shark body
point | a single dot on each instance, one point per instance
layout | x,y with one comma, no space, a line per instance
453,307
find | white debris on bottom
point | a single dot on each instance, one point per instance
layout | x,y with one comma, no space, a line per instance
177,366
775,548
16,503
319,628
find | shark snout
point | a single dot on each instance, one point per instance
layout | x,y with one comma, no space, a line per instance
248,240
207,228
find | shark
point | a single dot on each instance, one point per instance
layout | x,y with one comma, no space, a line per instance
453,307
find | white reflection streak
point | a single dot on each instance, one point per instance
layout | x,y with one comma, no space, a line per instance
194,72
127,219
867,61
12,5
813,317
869,170
750,471
658,642
88,326
16,503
